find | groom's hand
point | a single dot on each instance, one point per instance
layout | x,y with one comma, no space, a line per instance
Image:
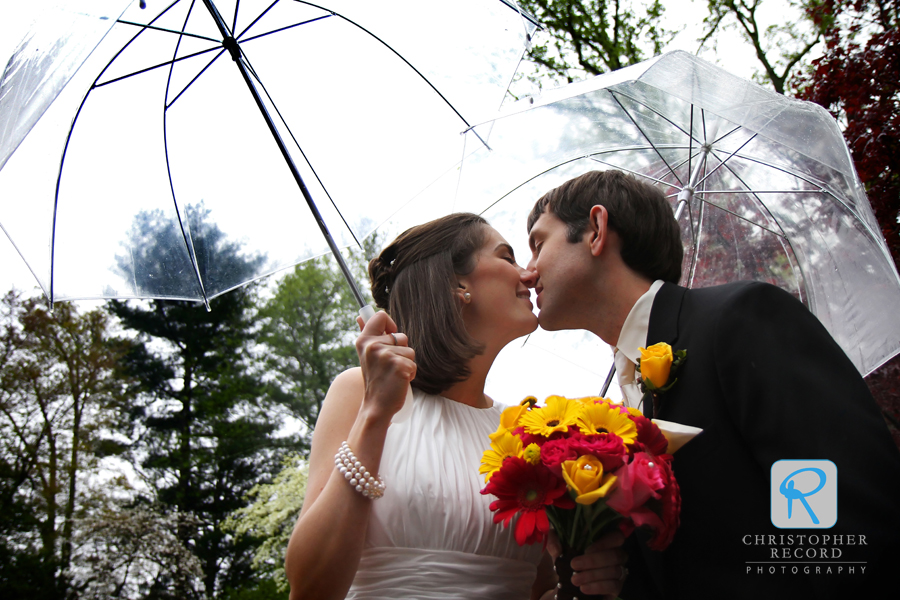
601,569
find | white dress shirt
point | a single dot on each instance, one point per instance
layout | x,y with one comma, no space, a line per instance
632,337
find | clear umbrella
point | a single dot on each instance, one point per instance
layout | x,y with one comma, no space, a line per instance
763,185
187,153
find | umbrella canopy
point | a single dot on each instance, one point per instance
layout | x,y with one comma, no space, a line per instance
763,184
152,171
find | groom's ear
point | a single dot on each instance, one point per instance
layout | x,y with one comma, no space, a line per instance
598,229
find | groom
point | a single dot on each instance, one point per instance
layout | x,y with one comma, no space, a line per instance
762,378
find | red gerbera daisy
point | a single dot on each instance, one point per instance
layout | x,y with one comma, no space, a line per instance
528,489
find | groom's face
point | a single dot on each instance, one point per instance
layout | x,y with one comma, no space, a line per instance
559,272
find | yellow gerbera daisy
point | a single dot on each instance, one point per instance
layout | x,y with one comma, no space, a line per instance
531,453
605,418
502,447
558,414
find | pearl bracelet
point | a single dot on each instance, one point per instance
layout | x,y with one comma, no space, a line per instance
357,475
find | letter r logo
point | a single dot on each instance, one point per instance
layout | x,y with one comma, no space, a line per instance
804,494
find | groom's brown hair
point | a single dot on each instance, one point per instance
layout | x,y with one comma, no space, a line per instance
638,212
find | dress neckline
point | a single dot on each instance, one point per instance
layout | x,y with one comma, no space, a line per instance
457,402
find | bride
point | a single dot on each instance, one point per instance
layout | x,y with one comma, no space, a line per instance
455,297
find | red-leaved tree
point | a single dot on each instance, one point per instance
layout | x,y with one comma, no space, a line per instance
858,80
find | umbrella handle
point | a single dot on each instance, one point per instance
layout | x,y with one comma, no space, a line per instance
367,312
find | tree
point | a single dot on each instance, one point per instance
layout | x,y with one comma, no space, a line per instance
590,37
271,516
61,396
780,47
858,80
135,553
309,328
307,336
204,428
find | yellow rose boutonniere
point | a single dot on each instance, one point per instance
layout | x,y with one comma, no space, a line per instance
658,365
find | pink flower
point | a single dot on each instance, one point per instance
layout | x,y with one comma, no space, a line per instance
608,447
643,478
671,507
661,508
555,452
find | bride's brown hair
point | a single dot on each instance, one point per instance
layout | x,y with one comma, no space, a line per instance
415,279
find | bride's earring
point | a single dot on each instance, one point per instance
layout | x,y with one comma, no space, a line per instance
468,297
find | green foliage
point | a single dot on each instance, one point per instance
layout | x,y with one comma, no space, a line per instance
590,37
271,517
255,589
309,328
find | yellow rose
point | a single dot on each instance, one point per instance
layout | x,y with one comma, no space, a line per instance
509,418
656,362
585,477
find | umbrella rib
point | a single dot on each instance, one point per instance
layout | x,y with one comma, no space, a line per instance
185,227
237,9
400,56
752,192
821,188
627,170
166,30
164,64
722,137
646,137
280,29
819,191
302,153
196,77
774,220
799,176
252,23
658,114
523,13
743,218
727,158
691,140
62,159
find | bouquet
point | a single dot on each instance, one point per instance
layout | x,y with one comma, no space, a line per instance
584,465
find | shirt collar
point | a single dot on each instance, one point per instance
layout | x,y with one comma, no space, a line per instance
634,331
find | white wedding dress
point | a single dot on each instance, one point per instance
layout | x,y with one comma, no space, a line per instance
431,537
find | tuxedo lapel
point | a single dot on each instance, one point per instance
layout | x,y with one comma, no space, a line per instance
663,325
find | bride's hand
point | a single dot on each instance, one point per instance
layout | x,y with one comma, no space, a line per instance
388,364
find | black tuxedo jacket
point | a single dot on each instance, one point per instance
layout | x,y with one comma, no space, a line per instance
766,382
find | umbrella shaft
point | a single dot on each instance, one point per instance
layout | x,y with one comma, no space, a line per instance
234,48
687,193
